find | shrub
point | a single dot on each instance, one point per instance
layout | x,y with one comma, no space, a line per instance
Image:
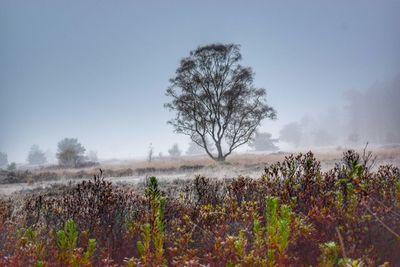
294,215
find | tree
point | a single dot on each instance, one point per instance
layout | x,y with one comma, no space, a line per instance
215,101
3,159
263,142
36,156
291,133
150,153
70,152
174,151
12,166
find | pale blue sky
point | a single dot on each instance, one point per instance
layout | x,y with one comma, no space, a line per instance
98,70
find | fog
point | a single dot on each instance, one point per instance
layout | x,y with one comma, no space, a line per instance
371,115
98,71
374,115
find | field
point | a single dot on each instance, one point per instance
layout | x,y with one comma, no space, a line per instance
167,169
339,208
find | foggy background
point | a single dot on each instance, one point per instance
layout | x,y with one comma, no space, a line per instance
98,70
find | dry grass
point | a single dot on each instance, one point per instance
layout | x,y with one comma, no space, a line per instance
245,159
246,164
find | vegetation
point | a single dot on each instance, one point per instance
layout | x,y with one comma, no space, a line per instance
215,101
70,152
174,151
263,142
150,153
12,167
293,215
36,156
3,159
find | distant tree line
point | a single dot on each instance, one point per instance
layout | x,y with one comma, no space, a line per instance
3,159
70,153
263,142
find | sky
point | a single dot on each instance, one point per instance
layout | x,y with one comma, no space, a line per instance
98,70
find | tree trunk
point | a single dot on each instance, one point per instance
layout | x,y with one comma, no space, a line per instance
221,157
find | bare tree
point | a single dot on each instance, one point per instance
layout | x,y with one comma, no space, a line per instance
150,153
215,100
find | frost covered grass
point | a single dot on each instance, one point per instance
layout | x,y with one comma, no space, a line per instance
246,164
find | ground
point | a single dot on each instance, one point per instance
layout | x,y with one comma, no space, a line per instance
134,171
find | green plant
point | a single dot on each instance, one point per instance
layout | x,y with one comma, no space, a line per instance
155,229
240,244
90,251
258,231
68,237
67,240
144,246
349,174
347,262
278,228
329,254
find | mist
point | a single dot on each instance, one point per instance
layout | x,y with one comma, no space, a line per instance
98,71
201,133
371,115
374,115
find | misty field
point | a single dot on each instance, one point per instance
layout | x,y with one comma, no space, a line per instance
130,172
329,209
199,133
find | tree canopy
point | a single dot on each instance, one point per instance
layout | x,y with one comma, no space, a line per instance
175,151
215,101
36,156
70,152
263,142
3,159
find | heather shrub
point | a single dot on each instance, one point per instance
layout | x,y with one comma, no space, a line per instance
293,215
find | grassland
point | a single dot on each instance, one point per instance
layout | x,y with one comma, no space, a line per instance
296,212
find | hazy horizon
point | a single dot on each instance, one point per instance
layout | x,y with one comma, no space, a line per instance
98,70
